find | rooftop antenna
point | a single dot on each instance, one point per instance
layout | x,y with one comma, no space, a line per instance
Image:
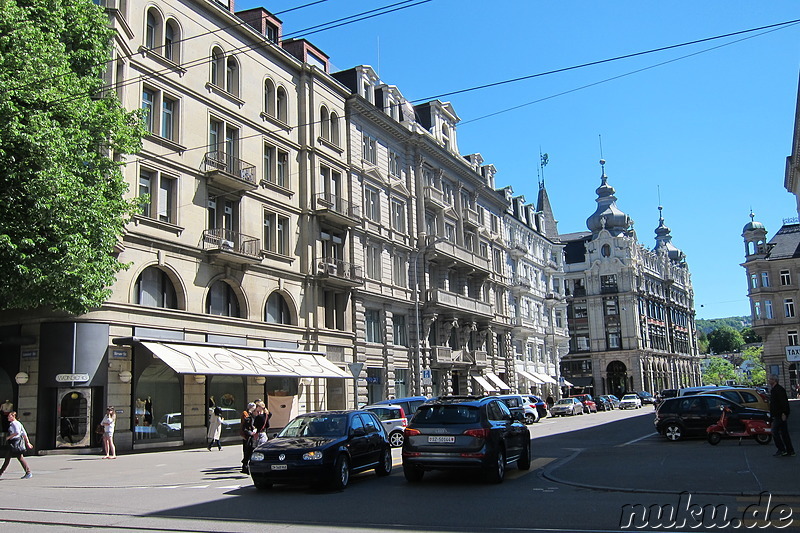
660,207
543,160
602,159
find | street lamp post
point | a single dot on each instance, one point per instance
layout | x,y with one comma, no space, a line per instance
418,361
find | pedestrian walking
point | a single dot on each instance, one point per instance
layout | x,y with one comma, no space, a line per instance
261,418
215,429
108,423
779,410
18,443
246,432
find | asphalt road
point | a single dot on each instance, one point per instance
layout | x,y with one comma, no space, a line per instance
585,470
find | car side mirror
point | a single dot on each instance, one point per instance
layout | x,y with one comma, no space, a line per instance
359,432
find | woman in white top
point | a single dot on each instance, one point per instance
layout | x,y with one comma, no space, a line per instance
16,431
108,433
215,429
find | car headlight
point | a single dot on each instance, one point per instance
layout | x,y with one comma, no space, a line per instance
312,456
257,456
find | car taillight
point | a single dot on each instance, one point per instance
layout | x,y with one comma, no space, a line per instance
480,433
408,432
403,416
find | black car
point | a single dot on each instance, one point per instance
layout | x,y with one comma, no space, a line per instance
458,432
645,397
323,448
604,403
690,416
541,405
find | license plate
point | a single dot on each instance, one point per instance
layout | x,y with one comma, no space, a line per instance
437,438
279,467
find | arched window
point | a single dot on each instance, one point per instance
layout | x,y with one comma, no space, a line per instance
282,104
155,289
171,38
277,311
334,128
151,31
217,62
222,300
324,123
232,76
269,98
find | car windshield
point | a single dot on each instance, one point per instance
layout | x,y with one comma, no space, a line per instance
316,426
446,414
630,397
564,402
385,413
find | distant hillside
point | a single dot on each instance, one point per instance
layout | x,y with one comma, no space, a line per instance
736,322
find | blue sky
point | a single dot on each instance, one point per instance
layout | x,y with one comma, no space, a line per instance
710,131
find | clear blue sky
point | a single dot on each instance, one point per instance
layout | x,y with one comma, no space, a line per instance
712,131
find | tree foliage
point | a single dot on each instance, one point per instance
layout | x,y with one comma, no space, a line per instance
725,339
63,208
736,322
753,356
749,335
718,371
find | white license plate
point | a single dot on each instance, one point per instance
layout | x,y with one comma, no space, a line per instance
437,438
279,467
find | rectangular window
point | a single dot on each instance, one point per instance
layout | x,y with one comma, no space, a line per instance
168,118
786,277
214,135
368,149
161,191
148,101
145,189
269,160
765,279
282,174
166,197
372,209
269,228
373,258
757,310
613,341
276,233
753,281
611,307
399,215
768,309
450,232
608,283
399,330
582,342
792,338
399,270
495,224
498,261
788,307
372,318
394,164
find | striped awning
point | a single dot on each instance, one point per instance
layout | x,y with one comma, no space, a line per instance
485,385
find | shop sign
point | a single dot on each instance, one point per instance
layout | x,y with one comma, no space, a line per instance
30,353
69,378
119,354
793,353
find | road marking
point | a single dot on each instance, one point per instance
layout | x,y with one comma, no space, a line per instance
541,462
634,441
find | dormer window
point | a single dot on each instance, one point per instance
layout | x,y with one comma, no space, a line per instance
368,91
271,32
446,137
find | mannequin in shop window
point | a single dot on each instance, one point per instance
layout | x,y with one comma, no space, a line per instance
148,412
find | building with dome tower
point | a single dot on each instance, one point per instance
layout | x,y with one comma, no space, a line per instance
630,309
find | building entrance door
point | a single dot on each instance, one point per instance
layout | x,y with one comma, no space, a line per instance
74,418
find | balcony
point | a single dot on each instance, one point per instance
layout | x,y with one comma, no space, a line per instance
434,198
231,246
471,217
336,210
458,303
467,258
517,249
229,173
520,323
478,358
521,286
338,273
441,355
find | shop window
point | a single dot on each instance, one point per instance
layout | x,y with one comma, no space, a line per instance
158,402
227,393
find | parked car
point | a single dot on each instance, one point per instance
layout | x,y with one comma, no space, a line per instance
588,403
689,391
567,406
663,395
466,432
646,397
743,396
630,401
409,404
517,402
541,405
603,403
614,400
323,447
690,416
394,421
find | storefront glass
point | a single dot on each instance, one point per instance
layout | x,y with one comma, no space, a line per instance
227,393
157,404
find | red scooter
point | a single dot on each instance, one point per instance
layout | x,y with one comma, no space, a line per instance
761,430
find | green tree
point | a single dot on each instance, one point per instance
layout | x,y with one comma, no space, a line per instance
63,208
702,341
718,371
758,374
725,339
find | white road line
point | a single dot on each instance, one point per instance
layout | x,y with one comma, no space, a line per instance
636,440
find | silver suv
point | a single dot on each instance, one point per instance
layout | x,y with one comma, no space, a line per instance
394,421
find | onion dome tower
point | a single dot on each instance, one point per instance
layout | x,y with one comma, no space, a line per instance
664,240
607,216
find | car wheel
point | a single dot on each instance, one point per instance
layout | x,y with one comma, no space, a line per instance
341,473
714,438
497,471
261,484
524,461
412,473
673,432
384,468
396,439
763,438
529,419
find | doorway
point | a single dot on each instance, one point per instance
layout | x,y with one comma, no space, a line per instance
74,418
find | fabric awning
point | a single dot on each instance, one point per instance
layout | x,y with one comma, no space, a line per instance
497,381
231,360
568,384
529,376
485,385
545,378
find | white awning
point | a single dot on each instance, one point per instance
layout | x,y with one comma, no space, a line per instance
568,384
485,385
545,378
529,376
206,359
497,381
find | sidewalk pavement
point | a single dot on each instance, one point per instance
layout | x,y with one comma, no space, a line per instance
655,464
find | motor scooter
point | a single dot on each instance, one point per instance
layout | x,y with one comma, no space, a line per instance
761,430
